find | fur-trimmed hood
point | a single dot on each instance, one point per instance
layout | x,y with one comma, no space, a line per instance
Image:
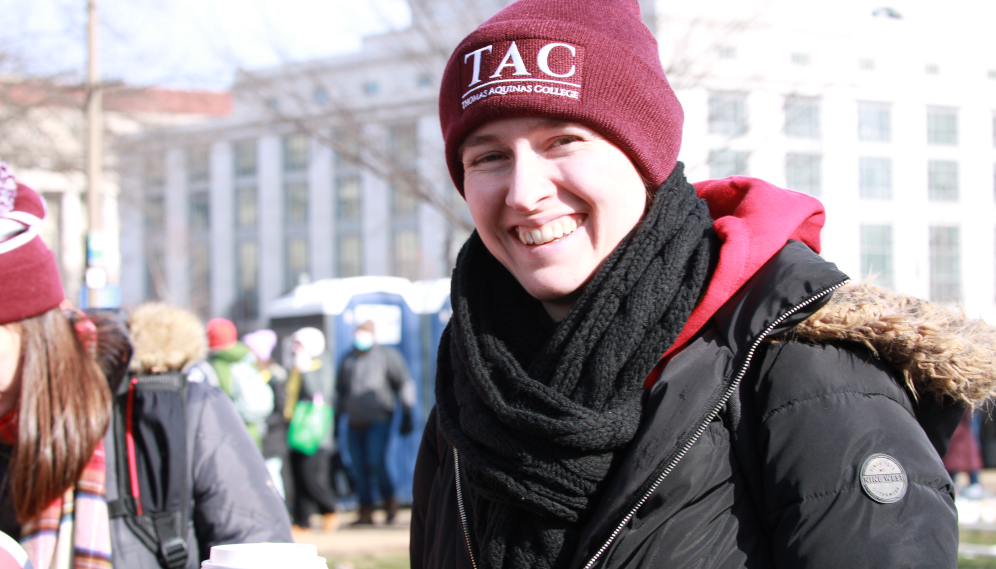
166,338
939,351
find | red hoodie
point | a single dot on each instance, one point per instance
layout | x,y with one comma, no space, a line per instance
754,220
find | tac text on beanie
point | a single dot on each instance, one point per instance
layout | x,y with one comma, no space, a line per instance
589,61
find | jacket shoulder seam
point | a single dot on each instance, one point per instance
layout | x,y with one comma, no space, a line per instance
794,402
849,488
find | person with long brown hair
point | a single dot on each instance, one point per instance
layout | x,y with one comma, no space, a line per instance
55,403
105,445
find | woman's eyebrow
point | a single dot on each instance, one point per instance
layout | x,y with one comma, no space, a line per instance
476,140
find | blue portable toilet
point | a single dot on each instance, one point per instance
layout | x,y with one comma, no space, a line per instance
435,310
338,306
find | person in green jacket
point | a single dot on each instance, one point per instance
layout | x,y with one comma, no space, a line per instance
238,376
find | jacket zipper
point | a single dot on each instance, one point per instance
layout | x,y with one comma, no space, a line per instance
681,453
463,511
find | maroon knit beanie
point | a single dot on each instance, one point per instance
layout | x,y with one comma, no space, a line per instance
29,276
589,61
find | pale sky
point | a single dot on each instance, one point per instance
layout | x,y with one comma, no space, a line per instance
186,43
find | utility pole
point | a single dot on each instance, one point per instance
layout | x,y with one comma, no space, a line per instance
96,274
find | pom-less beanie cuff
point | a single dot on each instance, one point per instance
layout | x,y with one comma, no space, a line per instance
589,61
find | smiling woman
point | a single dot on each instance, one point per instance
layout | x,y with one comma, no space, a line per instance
608,391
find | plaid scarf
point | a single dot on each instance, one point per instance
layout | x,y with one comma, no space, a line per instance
73,532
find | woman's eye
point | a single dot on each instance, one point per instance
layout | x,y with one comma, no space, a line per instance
492,157
564,140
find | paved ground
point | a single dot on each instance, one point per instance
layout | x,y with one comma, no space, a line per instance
380,538
353,540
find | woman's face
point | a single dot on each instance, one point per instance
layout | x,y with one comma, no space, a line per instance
550,199
10,361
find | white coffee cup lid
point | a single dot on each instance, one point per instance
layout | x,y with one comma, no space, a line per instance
264,556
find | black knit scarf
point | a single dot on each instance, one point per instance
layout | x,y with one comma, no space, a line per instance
541,413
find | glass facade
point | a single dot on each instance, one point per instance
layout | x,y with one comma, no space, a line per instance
875,177
874,122
804,173
876,255
802,117
727,113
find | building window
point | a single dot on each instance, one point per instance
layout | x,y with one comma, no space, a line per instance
942,180
726,163
799,58
350,256
247,273
804,173
246,207
295,153
942,126
348,197
296,262
346,147
405,254
404,179
155,210
200,212
874,122
295,204
245,158
155,274
404,143
727,113
370,88
200,279
802,117
875,177
876,254
945,265
198,164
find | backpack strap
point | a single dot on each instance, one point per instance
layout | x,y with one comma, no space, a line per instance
151,451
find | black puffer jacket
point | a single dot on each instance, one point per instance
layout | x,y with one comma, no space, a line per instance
750,453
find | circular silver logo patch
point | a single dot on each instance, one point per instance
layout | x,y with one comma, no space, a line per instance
883,479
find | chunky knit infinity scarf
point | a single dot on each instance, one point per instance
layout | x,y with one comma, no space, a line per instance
540,413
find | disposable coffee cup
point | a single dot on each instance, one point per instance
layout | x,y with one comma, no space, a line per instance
265,556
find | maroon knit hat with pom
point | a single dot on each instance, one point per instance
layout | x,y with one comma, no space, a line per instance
29,276
589,61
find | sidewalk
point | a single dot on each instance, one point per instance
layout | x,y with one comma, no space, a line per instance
359,540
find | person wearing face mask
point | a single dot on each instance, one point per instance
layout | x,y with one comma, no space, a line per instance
642,372
369,378
310,379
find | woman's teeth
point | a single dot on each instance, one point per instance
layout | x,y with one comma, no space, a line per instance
548,232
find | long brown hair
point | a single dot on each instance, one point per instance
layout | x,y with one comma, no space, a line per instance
64,411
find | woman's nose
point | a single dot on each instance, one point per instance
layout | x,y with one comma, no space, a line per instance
530,182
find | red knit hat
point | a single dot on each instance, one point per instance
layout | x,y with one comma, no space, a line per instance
29,275
221,334
589,61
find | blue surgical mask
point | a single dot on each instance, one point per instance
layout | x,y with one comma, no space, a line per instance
363,341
